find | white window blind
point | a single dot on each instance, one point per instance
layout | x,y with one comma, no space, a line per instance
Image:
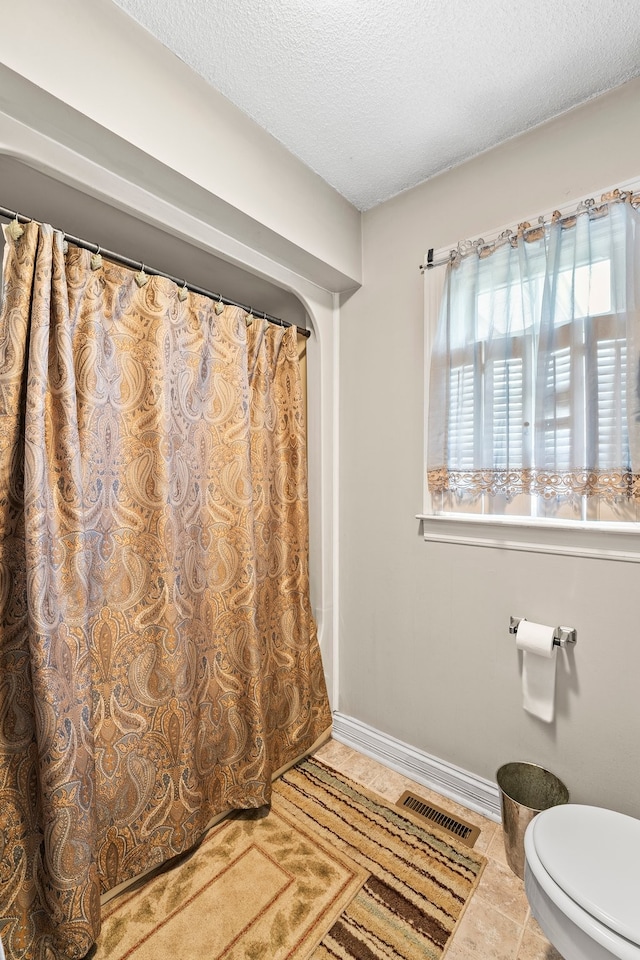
505,389
612,400
461,437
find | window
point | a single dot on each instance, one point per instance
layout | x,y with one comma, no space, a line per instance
533,406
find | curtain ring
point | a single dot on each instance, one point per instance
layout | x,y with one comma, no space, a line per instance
249,318
141,278
96,259
15,228
183,293
219,305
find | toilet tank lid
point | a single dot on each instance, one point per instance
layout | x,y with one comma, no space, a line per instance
592,854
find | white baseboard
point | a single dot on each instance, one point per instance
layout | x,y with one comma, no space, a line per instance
460,785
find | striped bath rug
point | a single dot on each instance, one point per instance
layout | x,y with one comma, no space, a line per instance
420,878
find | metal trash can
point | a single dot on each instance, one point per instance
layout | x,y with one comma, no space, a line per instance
525,789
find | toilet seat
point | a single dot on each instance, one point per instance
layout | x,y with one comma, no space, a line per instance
588,852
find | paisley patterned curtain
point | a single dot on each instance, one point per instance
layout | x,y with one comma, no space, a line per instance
158,656
292,679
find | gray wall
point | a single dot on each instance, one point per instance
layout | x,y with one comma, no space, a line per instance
425,654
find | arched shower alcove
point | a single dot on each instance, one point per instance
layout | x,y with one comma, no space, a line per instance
49,179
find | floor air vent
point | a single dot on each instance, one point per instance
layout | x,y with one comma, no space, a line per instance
454,825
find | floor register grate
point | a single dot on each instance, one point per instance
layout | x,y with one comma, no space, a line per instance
466,832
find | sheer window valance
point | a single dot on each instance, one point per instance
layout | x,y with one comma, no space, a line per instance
534,405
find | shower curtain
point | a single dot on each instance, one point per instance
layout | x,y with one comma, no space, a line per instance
158,656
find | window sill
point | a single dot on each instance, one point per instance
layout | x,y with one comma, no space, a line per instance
602,541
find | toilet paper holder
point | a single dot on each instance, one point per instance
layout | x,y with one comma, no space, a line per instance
561,635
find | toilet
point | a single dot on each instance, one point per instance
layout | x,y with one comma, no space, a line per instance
582,880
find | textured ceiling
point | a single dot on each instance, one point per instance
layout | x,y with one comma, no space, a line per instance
378,95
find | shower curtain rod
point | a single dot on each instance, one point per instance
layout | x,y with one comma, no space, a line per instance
628,193
138,265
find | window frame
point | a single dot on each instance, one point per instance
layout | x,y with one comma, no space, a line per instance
596,539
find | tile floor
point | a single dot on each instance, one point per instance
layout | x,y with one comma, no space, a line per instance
497,924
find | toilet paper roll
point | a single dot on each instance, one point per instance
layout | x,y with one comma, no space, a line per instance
535,638
538,668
